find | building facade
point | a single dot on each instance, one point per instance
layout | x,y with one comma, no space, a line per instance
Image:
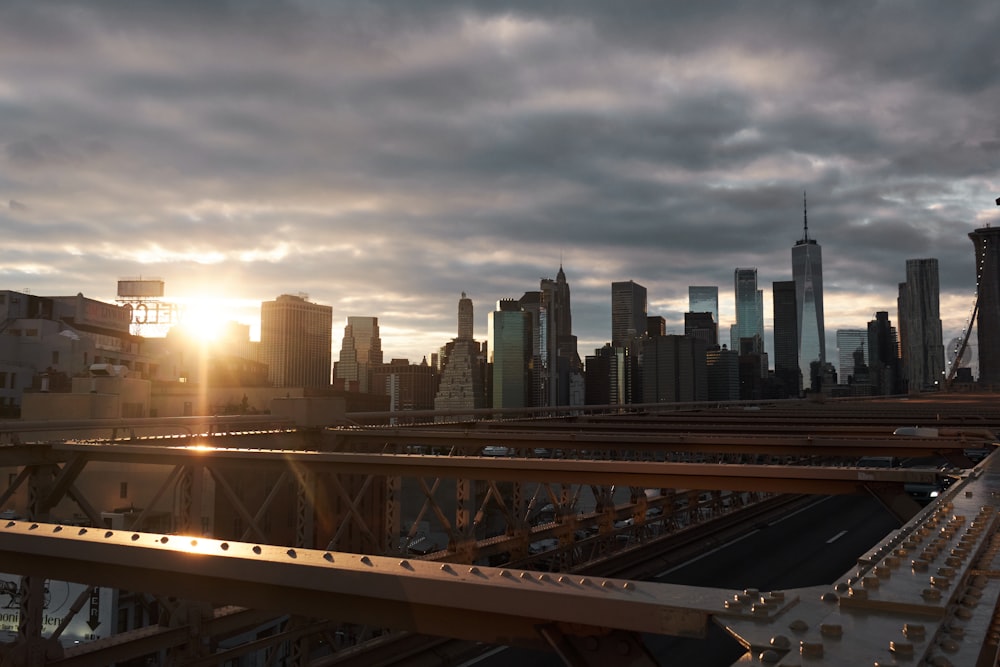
360,354
749,307
509,354
704,299
919,320
807,272
786,332
987,245
628,312
849,343
296,339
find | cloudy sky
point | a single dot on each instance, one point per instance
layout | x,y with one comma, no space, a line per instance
383,157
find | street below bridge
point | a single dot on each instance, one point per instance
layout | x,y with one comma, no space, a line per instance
811,546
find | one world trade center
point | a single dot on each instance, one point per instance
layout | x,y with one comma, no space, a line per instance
807,273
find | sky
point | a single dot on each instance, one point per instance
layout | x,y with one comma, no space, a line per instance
384,157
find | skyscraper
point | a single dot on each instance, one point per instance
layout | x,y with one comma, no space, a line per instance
628,312
987,244
786,334
883,355
749,307
509,353
466,321
919,319
850,341
807,272
704,299
296,339
360,352
462,384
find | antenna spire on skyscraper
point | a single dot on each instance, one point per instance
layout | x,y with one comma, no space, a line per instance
805,218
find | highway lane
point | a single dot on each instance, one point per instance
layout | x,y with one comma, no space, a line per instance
813,546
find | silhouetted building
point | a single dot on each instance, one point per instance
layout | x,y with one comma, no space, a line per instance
296,338
702,327
807,272
919,321
673,370
408,386
849,343
723,374
628,312
786,338
607,376
360,354
466,318
656,325
883,356
987,244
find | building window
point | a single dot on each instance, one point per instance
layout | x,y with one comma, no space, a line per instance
123,490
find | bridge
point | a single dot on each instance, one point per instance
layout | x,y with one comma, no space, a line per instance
510,531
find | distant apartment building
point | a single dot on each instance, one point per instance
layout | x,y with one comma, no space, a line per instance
628,312
296,338
673,369
749,307
408,386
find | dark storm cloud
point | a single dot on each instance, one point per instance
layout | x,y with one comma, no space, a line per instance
388,155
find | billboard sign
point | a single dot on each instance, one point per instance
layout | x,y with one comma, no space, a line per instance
140,289
95,620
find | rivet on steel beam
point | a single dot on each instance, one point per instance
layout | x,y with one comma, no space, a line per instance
194,543
858,594
135,536
930,594
732,604
446,568
919,565
33,526
405,564
811,649
628,585
504,573
841,587
563,580
798,625
606,584
781,642
914,631
829,597
57,529
10,524
291,553
963,613
769,656
366,560
82,531
776,595
544,577
524,575
584,581
110,533
257,549
473,570
956,632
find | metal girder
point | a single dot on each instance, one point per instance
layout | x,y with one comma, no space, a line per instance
466,602
645,474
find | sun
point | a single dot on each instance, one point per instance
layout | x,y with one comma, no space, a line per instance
202,319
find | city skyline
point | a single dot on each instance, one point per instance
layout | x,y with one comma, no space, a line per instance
384,159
